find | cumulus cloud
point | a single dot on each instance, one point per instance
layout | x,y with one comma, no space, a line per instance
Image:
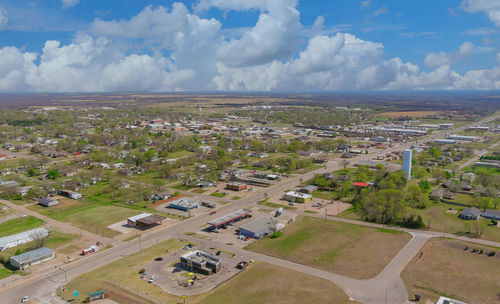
4,18
174,49
490,7
434,60
69,3
274,37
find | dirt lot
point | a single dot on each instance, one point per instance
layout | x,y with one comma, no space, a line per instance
351,250
444,267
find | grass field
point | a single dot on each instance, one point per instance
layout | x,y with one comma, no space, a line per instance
323,195
219,194
19,225
121,280
179,154
92,217
273,205
438,218
265,283
334,246
444,268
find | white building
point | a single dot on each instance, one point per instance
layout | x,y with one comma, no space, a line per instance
462,137
407,163
22,238
30,258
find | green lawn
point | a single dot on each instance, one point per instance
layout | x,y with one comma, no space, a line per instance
438,218
19,225
273,205
326,195
219,194
92,217
352,250
179,154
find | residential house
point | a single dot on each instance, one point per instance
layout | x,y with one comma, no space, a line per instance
471,213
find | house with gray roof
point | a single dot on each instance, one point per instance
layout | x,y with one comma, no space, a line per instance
491,214
471,213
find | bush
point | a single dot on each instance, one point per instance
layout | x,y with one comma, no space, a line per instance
481,251
494,222
491,253
142,271
277,234
466,247
17,197
474,250
19,251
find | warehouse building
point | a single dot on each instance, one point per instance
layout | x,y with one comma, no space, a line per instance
48,202
462,137
230,218
145,220
184,204
260,227
297,197
22,238
445,141
201,262
27,259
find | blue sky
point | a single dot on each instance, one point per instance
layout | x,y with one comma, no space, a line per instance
239,45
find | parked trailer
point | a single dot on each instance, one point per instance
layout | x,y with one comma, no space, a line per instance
90,250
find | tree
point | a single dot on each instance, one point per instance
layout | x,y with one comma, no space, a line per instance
39,238
53,174
424,185
19,251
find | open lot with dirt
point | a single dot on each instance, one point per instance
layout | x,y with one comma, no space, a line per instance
334,246
444,267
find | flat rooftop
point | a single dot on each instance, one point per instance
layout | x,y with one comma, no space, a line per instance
231,216
188,204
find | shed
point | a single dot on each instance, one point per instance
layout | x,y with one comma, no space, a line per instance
309,189
48,202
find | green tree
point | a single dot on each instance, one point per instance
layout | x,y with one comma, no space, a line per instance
53,174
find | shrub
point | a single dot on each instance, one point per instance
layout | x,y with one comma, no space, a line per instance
466,247
494,222
19,251
491,253
481,251
142,271
474,250
277,234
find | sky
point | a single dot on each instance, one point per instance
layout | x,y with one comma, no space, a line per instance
248,45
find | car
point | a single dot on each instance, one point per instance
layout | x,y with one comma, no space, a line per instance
229,243
213,212
25,299
291,204
144,275
152,279
159,259
218,252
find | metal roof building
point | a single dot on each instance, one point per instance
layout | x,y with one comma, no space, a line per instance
31,257
145,219
21,238
260,227
232,217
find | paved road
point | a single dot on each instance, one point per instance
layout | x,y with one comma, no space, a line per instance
386,286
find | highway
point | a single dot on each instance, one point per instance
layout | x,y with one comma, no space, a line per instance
387,286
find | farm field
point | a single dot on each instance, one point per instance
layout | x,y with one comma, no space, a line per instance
333,246
444,267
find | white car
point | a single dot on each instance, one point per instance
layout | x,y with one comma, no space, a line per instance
25,299
152,279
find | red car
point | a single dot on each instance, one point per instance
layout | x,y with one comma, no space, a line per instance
213,212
